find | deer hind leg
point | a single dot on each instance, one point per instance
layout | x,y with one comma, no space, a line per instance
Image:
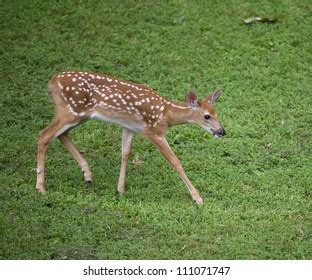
127,136
57,127
69,145
164,148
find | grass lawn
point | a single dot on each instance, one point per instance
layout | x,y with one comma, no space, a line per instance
255,182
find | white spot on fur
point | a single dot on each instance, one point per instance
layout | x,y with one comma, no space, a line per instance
60,85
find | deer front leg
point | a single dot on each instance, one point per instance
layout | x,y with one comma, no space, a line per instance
125,152
57,126
164,148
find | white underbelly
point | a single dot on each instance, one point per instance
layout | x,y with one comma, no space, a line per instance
132,123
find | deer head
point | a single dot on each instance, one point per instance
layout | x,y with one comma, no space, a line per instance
204,114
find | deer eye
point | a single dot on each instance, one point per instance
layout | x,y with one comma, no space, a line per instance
207,117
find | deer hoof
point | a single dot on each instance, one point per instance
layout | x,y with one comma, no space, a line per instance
199,201
119,195
41,190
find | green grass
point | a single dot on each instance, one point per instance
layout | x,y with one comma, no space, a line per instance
255,182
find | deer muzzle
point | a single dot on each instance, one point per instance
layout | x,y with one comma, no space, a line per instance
219,133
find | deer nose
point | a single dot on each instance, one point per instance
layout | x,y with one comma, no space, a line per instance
220,132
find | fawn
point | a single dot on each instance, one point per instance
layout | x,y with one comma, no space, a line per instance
79,96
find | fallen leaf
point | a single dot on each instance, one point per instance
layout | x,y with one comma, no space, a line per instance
259,19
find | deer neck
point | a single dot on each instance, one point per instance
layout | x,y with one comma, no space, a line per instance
179,113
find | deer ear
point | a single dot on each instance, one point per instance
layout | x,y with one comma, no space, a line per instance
213,97
191,99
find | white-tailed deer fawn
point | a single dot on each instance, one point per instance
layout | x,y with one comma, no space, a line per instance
79,96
